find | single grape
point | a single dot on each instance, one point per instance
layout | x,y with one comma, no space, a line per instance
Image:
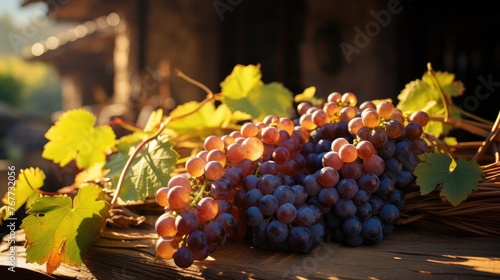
385,109
420,117
286,213
270,168
334,97
389,214
270,135
352,226
374,164
347,188
213,142
161,196
311,184
207,208
307,122
235,153
354,125
328,197
215,233
276,231
220,189
284,194
300,194
216,155
394,129
367,105
320,117
178,198
348,153
305,217
370,118
365,149
197,240
372,230
228,222
332,159
361,197
349,98
345,209
253,148
195,166
347,113
300,240
331,108
378,137
179,180
186,223
352,170
364,211
253,196
166,247
253,216
250,182
214,170
235,176
268,204
328,177
249,129
165,225
369,182
268,183
413,130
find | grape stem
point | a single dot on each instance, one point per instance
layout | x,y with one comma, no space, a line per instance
446,104
210,97
495,130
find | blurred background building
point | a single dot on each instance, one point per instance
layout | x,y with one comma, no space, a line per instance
117,57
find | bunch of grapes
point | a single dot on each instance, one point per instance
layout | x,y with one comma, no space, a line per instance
338,172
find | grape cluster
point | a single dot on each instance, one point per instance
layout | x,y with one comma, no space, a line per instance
337,172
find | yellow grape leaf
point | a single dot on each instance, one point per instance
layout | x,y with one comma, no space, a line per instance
241,81
208,116
154,121
74,136
59,230
243,91
25,189
306,96
458,179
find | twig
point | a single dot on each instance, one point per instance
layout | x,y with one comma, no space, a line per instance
485,122
438,143
469,126
493,133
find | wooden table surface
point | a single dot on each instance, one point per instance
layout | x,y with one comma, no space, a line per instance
411,252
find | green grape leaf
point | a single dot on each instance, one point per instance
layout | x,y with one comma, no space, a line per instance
150,170
206,117
306,96
241,81
74,136
424,94
23,191
458,179
269,99
59,230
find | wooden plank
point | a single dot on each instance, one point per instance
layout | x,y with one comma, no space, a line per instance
409,253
